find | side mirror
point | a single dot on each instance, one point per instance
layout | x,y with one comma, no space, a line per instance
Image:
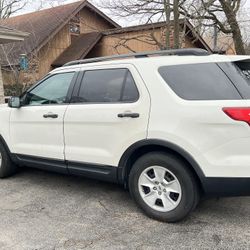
14,102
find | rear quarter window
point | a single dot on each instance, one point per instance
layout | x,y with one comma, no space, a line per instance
199,82
239,74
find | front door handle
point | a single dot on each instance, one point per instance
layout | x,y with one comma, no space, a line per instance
130,115
50,115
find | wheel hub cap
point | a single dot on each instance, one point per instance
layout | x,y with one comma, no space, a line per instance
159,188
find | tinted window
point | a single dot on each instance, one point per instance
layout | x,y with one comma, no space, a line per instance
199,82
111,85
130,92
52,90
239,74
247,75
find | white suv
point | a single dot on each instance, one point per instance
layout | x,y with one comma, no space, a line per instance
170,127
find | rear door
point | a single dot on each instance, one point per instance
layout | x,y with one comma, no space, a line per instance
110,112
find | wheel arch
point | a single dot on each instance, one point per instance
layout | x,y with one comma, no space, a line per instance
151,145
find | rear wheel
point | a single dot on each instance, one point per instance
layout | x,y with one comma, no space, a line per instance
7,167
162,185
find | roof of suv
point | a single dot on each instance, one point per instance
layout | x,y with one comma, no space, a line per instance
155,58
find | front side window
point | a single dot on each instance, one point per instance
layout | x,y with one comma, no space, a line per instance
52,90
205,81
108,86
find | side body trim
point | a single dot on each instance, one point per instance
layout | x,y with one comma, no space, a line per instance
93,171
100,172
42,163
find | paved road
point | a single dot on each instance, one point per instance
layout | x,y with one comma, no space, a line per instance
40,210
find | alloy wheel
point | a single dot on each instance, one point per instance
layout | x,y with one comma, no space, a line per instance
159,188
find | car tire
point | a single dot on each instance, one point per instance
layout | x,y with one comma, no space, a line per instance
163,186
7,167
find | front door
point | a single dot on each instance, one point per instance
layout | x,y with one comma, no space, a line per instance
36,129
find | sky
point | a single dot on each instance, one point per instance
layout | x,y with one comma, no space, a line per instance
36,4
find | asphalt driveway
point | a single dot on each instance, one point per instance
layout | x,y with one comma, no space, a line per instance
40,210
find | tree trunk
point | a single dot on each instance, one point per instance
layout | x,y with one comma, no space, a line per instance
167,11
234,25
176,24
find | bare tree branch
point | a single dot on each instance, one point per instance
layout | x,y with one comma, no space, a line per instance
207,13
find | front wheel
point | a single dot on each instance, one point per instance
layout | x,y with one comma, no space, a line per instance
7,167
163,186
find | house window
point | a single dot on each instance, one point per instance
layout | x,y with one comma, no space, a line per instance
74,28
74,25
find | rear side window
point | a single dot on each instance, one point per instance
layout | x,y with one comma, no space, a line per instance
199,82
239,74
108,86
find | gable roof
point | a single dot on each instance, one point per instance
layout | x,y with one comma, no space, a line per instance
44,25
79,48
190,31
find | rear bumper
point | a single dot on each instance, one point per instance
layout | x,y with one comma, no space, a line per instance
226,186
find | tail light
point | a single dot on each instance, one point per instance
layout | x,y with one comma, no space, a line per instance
238,114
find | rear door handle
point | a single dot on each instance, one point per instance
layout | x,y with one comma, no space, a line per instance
50,115
130,115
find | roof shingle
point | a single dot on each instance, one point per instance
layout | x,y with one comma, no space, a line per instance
40,25
78,49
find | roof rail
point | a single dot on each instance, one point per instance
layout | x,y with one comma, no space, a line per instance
177,52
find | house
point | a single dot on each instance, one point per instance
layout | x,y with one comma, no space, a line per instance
138,38
8,35
51,32
76,31
224,43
